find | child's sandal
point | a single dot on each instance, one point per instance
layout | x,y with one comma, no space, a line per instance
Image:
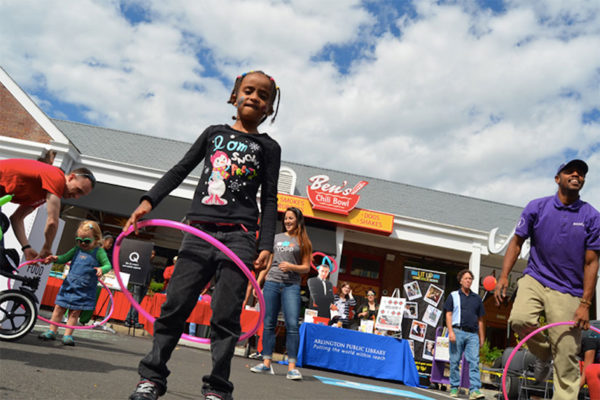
48,335
68,340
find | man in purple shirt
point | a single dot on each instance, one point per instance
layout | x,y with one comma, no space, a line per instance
560,276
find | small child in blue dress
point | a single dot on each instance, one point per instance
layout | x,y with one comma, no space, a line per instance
78,292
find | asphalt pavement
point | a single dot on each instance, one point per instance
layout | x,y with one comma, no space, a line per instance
103,365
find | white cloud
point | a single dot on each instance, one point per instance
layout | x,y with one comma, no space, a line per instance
464,100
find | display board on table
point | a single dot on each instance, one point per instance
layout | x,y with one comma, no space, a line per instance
423,290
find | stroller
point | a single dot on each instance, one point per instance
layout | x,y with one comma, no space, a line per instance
18,310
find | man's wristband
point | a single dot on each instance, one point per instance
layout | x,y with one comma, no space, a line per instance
27,246
586,302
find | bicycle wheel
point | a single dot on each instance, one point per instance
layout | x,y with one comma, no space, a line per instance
18,314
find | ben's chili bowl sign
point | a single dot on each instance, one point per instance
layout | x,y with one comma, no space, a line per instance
339,199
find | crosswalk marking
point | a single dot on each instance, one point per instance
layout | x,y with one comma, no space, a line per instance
372,388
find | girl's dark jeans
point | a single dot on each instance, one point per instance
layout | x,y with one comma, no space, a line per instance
198,261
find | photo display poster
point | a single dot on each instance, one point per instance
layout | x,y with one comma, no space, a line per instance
423,312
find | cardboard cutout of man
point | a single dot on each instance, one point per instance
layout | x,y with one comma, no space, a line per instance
321,292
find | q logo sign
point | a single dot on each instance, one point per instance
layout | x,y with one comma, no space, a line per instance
134,256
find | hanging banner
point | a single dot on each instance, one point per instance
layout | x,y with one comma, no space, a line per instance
424,292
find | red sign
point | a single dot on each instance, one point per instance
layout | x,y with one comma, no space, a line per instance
339,199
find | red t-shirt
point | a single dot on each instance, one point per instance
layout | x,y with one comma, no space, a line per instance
30,181
167,274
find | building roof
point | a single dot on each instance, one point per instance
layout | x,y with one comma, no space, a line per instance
124,147
379,195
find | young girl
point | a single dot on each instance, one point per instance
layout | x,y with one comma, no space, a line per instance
78,291
343,301
291,257
249,160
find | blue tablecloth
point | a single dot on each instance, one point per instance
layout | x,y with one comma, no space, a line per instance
358,353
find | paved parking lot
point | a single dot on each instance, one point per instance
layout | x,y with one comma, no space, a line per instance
103,366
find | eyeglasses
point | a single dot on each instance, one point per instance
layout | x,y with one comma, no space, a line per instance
371,294
91,177
83,240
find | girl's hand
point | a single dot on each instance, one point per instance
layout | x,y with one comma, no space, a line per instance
262,259
285,266
98,272
144,208
50,259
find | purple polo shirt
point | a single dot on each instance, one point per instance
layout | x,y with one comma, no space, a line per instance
560,236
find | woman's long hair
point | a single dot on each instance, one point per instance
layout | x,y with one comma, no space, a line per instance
301,235
341,286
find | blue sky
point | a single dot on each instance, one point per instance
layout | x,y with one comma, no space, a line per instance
482,98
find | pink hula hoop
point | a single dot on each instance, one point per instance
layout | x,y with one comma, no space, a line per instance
522,342
112,304
202,235
318,253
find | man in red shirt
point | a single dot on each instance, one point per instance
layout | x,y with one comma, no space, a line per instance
33,183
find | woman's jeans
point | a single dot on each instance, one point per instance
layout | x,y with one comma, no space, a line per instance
278,295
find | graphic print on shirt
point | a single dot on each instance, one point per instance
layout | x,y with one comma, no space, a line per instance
285,246
233,163
216,183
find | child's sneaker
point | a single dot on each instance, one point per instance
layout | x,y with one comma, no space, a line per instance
68,340
48,335
453,392
263,369
294,375
145,390
210,394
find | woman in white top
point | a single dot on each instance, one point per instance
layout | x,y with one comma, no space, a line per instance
343,301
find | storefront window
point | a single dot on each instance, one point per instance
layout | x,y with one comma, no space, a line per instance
343,262
359,265
365,268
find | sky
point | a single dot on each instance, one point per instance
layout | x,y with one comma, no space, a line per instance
480,98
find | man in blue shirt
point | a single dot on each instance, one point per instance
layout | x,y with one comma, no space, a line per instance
560,276
464,312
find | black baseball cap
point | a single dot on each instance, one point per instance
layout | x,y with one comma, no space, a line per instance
573,163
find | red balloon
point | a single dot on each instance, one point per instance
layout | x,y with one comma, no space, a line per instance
489,283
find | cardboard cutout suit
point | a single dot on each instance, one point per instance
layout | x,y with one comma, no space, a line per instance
321,298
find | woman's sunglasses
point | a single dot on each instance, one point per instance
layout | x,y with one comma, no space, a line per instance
85,240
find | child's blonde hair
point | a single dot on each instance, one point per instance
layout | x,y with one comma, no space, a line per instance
92,226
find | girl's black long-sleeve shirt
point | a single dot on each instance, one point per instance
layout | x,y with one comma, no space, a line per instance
236,164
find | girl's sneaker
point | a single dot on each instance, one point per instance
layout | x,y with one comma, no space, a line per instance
68,340
210,394
263,369
48,335
294,374
145,390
